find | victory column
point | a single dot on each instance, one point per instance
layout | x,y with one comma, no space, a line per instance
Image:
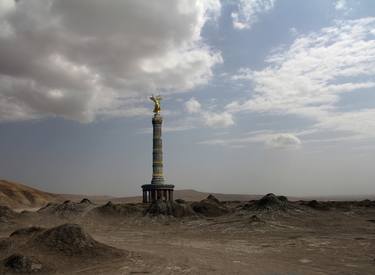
157,190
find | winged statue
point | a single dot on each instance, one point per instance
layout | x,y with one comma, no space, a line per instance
156,101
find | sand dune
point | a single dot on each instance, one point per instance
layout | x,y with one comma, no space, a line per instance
16,195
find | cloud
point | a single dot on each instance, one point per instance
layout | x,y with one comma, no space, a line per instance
284,141
205,117
293,31
248,12
6,6
270,139
197,115
341,5
193,106
310,77
361,122
81,59
218,120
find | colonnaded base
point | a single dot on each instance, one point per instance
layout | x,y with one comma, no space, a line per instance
154,192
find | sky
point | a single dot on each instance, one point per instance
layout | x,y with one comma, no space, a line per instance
259,96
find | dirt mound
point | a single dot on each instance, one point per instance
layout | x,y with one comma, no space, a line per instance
339,205
209,207
366,203
67,209
212,198
18,263
169,208
114,210
71,240
318,205
17,195
85,200
269,202
7,214
27,232
36,249
66,237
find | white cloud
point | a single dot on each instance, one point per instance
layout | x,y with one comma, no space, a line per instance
293,31
268,138
309,78
248,12
6,6
361,122
341,5
218,120
193,106
284,141
204,117
209,118
80,59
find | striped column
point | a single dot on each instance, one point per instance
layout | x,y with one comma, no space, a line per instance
157,151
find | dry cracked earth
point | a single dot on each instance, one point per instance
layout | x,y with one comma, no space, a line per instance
267,236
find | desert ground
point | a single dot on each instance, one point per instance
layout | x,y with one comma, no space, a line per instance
270,235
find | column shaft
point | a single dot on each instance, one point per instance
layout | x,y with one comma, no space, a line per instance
157,151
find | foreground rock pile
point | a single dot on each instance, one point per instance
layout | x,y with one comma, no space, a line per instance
209,207
70,240
170,208
269,202
67,209
35,249
114,210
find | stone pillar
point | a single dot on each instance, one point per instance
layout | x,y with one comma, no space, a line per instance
157,190
157,151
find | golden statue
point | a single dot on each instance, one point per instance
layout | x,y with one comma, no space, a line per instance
156,100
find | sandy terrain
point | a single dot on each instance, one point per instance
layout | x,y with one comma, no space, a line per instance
294,238
17,195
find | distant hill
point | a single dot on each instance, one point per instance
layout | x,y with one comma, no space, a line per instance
16,195
193,195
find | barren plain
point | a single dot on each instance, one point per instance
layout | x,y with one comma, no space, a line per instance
267,236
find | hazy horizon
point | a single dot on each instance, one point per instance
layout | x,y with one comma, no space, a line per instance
258,96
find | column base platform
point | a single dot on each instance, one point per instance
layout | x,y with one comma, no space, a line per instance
154,192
